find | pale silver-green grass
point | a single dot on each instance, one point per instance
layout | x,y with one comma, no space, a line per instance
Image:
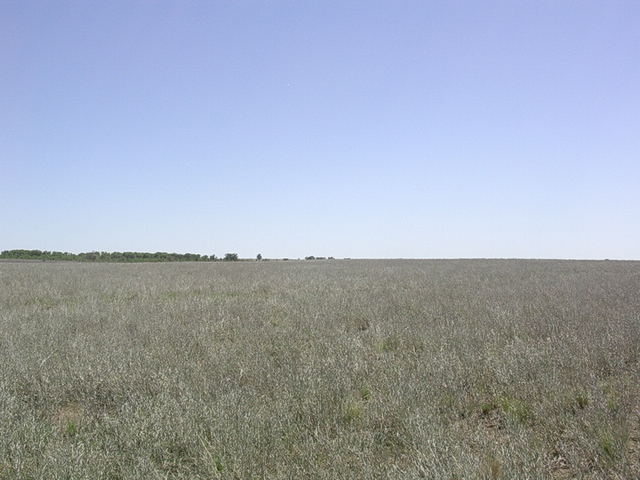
357,369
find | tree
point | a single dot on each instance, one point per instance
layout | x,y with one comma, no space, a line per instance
259,257
230,257
92,256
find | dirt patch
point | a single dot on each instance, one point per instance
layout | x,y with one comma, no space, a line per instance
68,418
560,466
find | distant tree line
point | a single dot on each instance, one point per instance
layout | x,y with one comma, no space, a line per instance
122,257
113,256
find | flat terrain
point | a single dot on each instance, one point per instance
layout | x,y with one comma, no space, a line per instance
359,369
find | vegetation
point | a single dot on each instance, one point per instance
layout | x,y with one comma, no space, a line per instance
470,369
119,257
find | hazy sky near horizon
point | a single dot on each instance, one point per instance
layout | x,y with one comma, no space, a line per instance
415,129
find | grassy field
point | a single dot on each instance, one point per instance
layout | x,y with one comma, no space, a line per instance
437,369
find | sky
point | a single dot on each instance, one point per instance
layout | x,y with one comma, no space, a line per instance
361,129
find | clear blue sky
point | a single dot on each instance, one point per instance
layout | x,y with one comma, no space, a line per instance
428,129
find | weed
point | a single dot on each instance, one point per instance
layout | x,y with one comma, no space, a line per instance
352,409
606,444
365,393
388,344
582,401
519,410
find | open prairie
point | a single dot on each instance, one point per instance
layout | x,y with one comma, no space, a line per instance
360,369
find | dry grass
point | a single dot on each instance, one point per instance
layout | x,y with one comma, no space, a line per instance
470,369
